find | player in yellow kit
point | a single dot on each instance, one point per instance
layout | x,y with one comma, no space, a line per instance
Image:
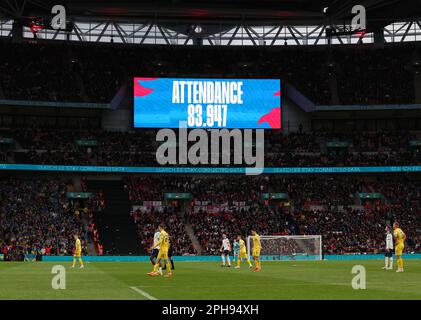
400,237
242,254
164,245
78,252
256,250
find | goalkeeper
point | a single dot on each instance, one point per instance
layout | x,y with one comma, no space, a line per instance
236,247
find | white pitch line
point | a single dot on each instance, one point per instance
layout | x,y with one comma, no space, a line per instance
143,293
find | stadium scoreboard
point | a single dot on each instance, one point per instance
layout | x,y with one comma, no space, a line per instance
207,103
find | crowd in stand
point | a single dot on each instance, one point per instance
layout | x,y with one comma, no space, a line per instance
152,209
92,73
138,147
37,218
347,231
319,205
342,159
150,191
404,204
95,205
233,221
148,220
370,70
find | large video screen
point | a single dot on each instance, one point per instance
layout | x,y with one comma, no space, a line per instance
207,103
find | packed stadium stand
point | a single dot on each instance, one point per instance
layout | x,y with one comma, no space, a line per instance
316,205
66,108
38,218
111,148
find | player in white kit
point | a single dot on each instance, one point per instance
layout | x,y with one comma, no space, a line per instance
225,249
388,257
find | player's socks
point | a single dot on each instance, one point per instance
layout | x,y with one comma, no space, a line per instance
400,265
390,263
223,259
155,267
74,262
169,273
248,261
172,264
386,263
81,262
229,261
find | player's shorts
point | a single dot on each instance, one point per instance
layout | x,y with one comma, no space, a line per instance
399,249
389,253
154,253
242,254
256,252
77,254
226,252
163,254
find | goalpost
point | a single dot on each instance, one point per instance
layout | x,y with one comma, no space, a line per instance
275,248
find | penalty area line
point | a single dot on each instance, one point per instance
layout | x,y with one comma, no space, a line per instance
143,293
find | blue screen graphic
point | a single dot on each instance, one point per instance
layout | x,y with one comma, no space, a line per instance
207,103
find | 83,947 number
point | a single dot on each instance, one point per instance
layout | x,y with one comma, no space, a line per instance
216,115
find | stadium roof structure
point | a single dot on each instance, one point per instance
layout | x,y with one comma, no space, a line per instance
217,22
291,11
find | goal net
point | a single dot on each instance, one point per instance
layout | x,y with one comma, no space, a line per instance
308,247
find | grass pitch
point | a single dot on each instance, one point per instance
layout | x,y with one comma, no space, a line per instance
197,280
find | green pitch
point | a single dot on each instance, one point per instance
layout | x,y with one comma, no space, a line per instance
197,280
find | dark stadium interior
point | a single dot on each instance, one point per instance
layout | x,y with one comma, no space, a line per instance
70,103
382,76
293,10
